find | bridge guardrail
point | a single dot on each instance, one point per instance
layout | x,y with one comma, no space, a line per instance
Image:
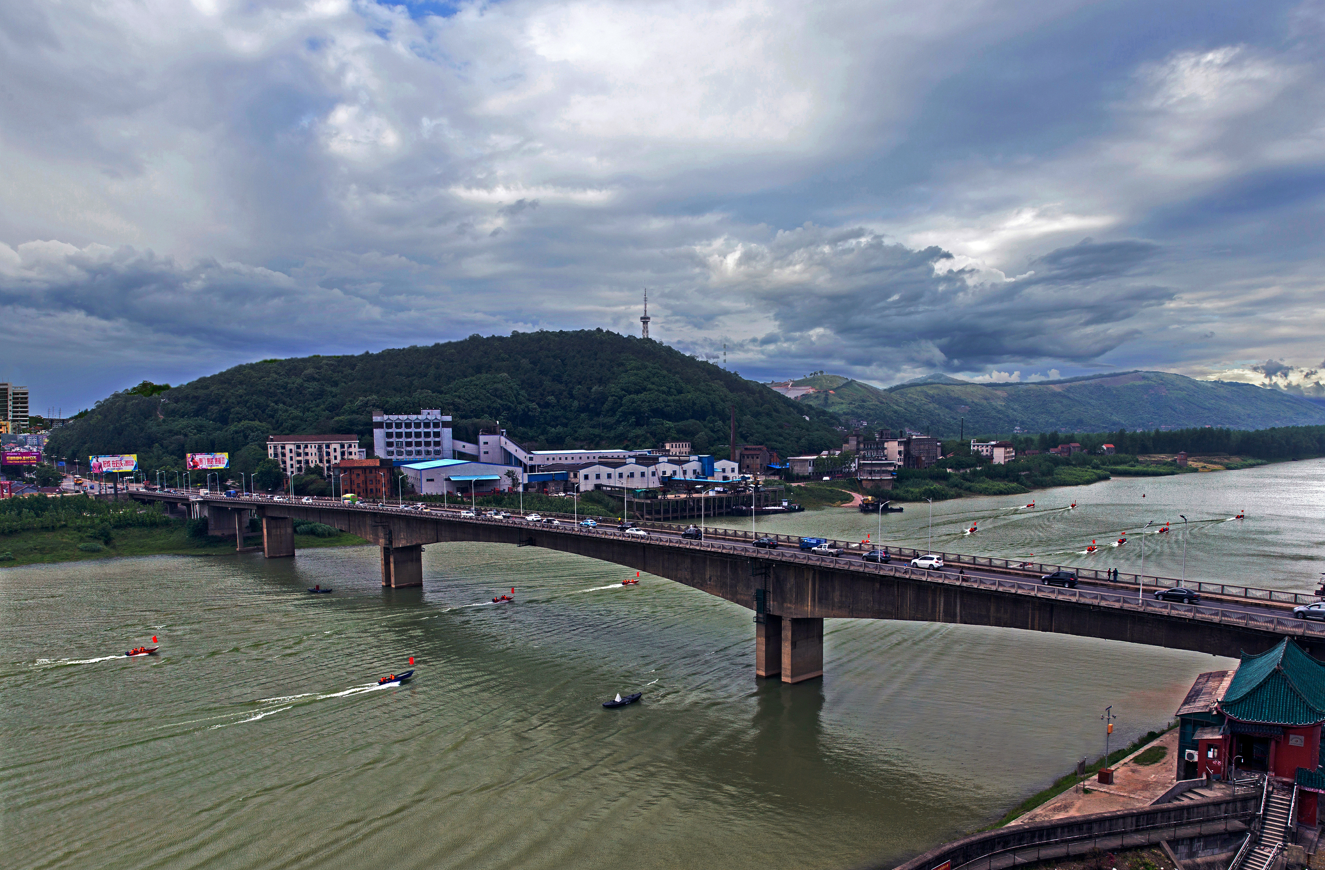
1222,590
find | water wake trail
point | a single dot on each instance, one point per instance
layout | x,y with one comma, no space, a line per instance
252,718
55,663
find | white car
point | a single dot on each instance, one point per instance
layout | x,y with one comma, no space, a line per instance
501,515
307,500
639,533
929,561
534,518
468,515
826,550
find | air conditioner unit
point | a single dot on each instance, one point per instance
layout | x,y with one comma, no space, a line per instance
1190,755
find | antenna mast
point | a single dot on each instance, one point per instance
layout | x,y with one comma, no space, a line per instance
644,321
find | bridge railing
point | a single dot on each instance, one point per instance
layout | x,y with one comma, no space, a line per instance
1257,595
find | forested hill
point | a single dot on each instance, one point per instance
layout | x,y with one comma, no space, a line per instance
1106,403
547,389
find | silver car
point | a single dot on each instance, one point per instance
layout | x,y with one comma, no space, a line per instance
1310,611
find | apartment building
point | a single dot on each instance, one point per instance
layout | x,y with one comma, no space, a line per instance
14,407
298,453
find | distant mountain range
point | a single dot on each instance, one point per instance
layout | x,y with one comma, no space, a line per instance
939,404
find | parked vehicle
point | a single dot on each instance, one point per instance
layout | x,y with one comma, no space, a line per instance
928,562
826,550
693,533
766,543
811,543
1179,594
880,556
1060,578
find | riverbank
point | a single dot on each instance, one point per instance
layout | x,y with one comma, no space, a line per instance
72,545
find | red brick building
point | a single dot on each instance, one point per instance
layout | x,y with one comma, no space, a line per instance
369,479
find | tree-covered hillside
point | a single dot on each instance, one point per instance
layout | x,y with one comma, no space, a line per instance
547,389
1131,400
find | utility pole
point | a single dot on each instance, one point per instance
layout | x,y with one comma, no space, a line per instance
1108,718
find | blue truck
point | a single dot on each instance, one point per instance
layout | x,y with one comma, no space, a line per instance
811,543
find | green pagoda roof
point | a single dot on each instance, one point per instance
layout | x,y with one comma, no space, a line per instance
1282,686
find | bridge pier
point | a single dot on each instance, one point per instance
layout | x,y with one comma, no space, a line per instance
402,566
241,525
802,648
768,646
277,537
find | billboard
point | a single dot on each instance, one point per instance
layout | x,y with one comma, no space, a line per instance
20,457
121,463
206,461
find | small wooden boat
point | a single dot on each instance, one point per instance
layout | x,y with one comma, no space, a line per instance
318,590
619,701
396,678
143,651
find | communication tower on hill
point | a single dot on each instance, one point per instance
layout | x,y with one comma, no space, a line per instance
644,321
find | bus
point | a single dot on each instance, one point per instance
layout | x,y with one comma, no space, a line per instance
349,498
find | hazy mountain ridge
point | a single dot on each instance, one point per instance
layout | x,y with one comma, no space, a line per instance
1099,403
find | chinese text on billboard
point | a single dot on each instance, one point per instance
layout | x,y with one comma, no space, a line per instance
119,463
208,461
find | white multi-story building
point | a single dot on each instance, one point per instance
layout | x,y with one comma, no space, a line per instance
998,452
298,453
14,407
646,472
425,435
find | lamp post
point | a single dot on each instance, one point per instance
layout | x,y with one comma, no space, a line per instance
179,483
1108,718
1141,578
931,524
1184,551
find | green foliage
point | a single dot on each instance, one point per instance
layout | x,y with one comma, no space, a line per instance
1130,400
268,476
147,388
317,530
196,529
6,556
548,389
91,547
80,513
1153,755
47,475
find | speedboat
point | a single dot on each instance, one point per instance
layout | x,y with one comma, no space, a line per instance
142,651
501,598
1240,516
1031,505
619,701
1091,548
1163,529
396,678
1074,504
318,590
630,581
1122,540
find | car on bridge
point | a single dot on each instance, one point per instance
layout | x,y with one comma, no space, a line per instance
766,543
695,533
811,543
468,515
826,549
1316,610
1065,579
880,556
1179,594
534,518
589,524
638,533
928,561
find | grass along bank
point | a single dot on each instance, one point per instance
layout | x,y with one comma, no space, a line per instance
71,545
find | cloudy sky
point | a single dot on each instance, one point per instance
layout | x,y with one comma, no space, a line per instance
1000,191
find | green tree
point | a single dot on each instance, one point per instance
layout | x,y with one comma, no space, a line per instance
47,475
268,475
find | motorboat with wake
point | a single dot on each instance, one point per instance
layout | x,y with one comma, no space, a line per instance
396,679
619,701
142,651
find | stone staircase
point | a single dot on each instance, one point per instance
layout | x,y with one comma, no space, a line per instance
1198,794
1273,833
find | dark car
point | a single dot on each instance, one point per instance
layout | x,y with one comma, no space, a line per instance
694,533
623,526
880,556
1060,578
767,543
1177,593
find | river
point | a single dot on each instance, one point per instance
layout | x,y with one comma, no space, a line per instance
258,738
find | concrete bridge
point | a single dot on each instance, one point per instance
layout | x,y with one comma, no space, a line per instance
792,592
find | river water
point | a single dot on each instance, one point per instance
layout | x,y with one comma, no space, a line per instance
258,738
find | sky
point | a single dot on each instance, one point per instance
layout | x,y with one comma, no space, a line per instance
996,191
